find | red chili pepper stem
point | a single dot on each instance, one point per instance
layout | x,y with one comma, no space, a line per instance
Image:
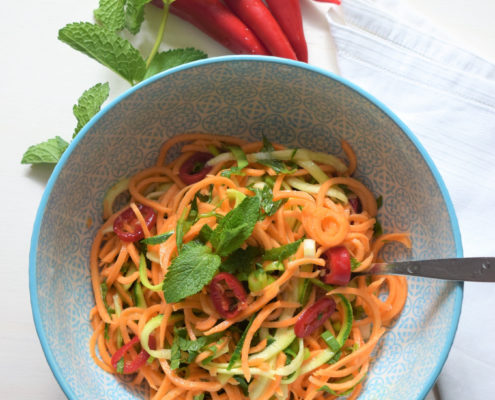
288,15
258,17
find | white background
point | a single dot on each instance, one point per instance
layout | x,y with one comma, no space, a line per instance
41,78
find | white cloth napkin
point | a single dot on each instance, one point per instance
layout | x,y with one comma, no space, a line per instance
446,95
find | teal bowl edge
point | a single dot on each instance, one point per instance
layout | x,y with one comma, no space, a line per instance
58,168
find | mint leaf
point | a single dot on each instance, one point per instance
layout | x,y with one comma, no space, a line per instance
240,260
278,166
106,47
175,353
266,198
111,14
282,252
47,152
205,233
190,271
173,58
134,15
158,238
89,104
236,226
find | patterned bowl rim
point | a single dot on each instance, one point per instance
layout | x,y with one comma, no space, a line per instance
428,384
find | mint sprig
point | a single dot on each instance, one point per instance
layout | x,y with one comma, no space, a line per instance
106,47
173,58
104,43
111,14
236,226
48,152
190,272
89,104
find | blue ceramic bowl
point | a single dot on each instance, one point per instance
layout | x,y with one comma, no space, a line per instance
291,103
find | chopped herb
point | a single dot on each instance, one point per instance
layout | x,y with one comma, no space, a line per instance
354,263
379,202
158,238
241,162
265,195
243,385
236,355
377,229
282,252
120,366
199,397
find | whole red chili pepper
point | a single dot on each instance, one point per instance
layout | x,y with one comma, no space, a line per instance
288,15
258,17
218,22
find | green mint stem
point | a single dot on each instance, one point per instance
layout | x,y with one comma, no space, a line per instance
161,31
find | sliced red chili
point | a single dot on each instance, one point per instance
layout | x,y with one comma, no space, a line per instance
337,267
127,226
132,366
314,317
194,168
227,295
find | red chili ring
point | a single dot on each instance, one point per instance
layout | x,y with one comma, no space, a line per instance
314,317
229,299
337,267
127,219
189,172
132,366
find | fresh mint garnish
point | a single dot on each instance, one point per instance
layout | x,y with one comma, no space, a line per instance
134,15
158,238
48,152
111,14
106,47
104,43
173,58
190,271
269,206
282,252
236,355
236,226
89,104
240,260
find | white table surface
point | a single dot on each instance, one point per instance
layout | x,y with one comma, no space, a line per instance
41,80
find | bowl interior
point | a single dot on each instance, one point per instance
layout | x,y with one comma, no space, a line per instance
289,103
